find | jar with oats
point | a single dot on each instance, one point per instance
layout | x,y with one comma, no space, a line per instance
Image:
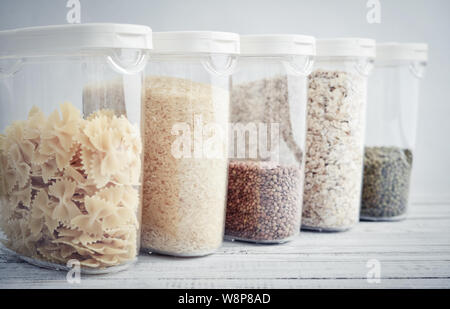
391,130
186,114
267,139
337,94
70,146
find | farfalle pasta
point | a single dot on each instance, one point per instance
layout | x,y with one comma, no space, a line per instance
69,187
108,150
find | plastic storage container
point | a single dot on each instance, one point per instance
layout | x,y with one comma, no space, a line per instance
335,137
391,129
186,110
70,147
268,118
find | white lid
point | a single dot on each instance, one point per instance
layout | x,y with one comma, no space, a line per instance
402,51
346,47
278,44
196,42
66,38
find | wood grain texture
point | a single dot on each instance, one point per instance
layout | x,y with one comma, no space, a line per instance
413,254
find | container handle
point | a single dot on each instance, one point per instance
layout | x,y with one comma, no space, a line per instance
127,66
364,66
417,69
225,68
304,68
10,67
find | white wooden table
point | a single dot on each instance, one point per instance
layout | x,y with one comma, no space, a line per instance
412,254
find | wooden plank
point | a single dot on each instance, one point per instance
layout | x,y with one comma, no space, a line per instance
412,253
250,267
222,283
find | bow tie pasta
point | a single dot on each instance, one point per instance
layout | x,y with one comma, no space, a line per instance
69,187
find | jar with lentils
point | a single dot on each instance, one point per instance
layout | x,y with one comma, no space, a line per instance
391,130
267,138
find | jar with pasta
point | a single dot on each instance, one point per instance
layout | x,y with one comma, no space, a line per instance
70,145
185,109
268,121
337,94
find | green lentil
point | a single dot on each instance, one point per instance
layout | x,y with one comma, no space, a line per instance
387,173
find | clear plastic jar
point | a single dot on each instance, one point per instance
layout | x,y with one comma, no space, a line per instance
186,112
70,146
335,138
267,138
391,130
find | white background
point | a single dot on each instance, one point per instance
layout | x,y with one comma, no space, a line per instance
401,20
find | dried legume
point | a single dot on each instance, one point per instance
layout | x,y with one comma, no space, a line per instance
387,172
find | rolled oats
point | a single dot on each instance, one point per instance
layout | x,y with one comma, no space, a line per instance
334,145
